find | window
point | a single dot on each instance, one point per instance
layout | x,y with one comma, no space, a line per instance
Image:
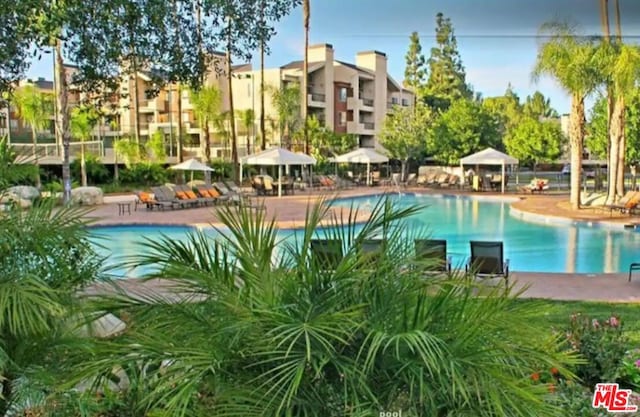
343,94
3,121
394,100
405,102
343,118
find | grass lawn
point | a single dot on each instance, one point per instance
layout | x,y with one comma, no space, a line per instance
558,313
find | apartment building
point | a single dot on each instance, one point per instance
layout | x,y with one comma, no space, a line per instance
345,97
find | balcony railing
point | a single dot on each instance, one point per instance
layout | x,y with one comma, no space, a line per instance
367,102
317,97
369,125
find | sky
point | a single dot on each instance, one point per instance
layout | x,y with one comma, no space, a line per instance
496,38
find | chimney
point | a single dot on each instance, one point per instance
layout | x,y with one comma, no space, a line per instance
321,53
375,61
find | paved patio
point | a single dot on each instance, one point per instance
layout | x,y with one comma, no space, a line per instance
289,211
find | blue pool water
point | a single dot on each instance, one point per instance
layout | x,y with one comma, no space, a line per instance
529,246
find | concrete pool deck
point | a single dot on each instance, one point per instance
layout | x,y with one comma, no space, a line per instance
289,211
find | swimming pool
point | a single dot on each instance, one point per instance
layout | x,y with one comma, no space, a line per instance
529,246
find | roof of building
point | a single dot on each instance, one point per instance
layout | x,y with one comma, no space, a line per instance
293,65
241,67
355,67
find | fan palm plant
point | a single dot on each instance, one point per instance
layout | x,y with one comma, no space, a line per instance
571,60
45,258
248,118
286,100
257,326
207,103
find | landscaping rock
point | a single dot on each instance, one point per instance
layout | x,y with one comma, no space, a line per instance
87,196
23,195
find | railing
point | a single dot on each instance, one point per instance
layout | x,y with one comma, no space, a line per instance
317,97
25,150
367,102
369,125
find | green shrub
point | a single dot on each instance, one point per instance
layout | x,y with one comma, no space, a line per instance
629,376
144,173
602,343
576,400
222,168
97,173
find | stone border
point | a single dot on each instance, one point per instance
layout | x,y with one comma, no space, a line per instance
549,219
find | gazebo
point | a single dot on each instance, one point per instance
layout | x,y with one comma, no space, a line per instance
489,156
276,157
362,156
194,165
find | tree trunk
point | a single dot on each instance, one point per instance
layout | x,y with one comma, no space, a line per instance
34,149
618,24
62,119
116,173
617,135
263,130
232,118
576,138
136,102
612,172
403,169
207,141
305,76
248,144
83,166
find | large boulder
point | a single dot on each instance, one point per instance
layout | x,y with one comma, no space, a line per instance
87,196
23,195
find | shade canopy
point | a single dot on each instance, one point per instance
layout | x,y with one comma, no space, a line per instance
489,156
361,156
191,165
278,156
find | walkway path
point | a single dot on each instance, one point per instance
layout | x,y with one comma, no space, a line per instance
290,212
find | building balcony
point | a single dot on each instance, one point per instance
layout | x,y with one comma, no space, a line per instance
153,105
316,100
365,128
369,125
367,102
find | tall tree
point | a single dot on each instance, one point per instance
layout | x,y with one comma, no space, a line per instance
447,77
506,110
263,130
539,107
15,39
83,121
415,70
34,108
571,61
306,12
404,132
207,103
464,128
533,141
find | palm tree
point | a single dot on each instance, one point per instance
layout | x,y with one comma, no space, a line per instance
35,108
206,103
232,117
571,61
83,120
306,11
248,118
263,129
270,331
286,100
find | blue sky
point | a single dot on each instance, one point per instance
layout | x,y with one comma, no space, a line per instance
496,38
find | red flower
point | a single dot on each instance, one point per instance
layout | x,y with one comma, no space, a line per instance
554,371
535,376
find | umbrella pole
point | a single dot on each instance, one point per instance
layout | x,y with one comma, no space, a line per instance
279,180
502,177
368,174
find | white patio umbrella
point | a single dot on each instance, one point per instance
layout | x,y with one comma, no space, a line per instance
362,156
277,156
489,156
194,165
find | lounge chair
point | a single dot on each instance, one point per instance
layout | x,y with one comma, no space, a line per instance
487,260
184,192
537,185
326,253
627,203
411,178
371,249
227,193
442,180
165,195
436,250
186,198
211,193
148,200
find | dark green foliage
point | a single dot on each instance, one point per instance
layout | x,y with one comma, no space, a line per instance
538,107
602,343
464,128
144,173
97,172
415,71
447,78
12,172
576,400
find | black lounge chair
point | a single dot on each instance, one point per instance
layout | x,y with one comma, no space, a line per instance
487,260
372,249
327,253
166,196
226,192
435,249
